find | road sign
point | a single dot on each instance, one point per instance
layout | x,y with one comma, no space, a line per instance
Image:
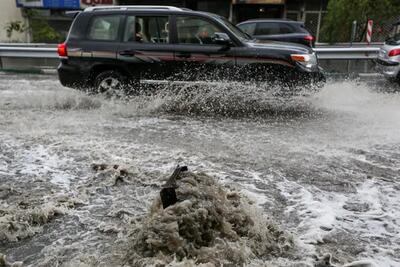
50,4
87,3
29,3
62,4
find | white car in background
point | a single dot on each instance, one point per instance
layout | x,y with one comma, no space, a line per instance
388,62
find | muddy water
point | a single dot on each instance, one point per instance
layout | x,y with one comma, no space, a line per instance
325,168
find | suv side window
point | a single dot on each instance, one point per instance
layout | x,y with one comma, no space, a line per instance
248,28
272,28
104,28
147,29
195,30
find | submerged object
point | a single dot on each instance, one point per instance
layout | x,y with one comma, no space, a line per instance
210,224
168,194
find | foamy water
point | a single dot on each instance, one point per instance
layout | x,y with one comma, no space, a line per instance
324,167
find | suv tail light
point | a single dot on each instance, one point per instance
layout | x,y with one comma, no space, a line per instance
62,50
394,52
309,38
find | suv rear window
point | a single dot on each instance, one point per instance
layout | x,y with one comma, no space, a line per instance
104,28
272,28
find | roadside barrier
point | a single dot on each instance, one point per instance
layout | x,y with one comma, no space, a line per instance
339,58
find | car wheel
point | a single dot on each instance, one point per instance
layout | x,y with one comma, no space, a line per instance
110,83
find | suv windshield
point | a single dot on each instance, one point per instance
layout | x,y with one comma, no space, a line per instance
238,32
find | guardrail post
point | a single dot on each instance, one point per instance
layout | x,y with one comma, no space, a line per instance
353,32
348,66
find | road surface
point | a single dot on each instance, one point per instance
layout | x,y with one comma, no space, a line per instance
324,167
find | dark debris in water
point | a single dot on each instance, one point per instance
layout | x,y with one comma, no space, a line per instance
208,224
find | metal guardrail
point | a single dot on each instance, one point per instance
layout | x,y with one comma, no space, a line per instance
27,45
323,51
354,44
28,52
346,53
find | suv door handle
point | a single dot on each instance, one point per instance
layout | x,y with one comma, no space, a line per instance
127,53
183,55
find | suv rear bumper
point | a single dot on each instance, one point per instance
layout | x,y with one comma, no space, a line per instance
70,76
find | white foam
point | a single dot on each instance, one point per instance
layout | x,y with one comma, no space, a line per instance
319,209
40,162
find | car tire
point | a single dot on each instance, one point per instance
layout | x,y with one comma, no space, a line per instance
111,83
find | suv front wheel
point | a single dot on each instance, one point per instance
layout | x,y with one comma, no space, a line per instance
111,83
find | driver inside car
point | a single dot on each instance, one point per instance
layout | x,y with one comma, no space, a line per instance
205,34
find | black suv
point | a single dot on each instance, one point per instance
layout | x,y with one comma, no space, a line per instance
278,30
110,47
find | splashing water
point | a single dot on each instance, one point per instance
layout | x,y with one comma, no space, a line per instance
325,167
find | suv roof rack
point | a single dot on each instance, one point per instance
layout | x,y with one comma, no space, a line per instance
143,7
72,14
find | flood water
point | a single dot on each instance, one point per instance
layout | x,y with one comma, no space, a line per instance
325,168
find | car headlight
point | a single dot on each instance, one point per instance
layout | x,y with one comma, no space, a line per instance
306,60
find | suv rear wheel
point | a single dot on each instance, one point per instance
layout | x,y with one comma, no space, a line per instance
111,83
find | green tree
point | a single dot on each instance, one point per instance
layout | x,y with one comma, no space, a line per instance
42,32
40,29
337,23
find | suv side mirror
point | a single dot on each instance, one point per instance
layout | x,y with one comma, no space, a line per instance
222,38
